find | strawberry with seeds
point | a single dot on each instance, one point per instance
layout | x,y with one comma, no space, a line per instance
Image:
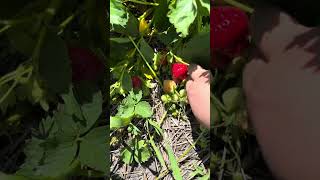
179,71
229,34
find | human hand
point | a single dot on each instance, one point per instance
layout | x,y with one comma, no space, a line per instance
282,90
198,92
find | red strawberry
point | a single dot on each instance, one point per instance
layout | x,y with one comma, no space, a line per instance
229,30
179,71
136,82
85,64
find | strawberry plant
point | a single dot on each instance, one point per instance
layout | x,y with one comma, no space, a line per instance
52,63
152,44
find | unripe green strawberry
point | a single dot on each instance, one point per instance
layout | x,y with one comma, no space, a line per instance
169,86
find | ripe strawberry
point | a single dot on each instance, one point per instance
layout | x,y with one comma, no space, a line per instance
85,65
136,82
179,71
229,30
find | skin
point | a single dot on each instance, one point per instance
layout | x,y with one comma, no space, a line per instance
282,87
198,91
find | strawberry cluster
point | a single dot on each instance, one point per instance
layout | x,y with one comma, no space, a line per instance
229,30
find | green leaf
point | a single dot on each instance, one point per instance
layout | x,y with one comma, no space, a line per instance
4,176
71,105
205,5
92,109
176,172
142,152
146,50
232,99
160,19
197,50
126,82
126,112
21,40
54,63
127,155
48,127
168,36
120,40
131,29
66,122
93,149
117,122
119,51
118,14
138,96
182,15
57,160
34,154
143,109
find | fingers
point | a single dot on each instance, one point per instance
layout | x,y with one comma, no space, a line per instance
250,73
198,92
274,31
196,72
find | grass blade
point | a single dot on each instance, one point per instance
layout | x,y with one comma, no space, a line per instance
176,172
158,153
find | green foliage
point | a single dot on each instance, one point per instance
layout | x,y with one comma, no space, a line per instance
131,107
140,152
54,63
197,50
52,152
182,14
118,14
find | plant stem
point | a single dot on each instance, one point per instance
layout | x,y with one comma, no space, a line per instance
6,27
217,102
192,146
223,162
9,91
240,6
144,3
146,62
178,59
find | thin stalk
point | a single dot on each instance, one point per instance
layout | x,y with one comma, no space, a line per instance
9,91
6,27
144,3
189,149
240,6
146,62
217,102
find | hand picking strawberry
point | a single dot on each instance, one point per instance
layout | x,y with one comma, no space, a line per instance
282,93
198,91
